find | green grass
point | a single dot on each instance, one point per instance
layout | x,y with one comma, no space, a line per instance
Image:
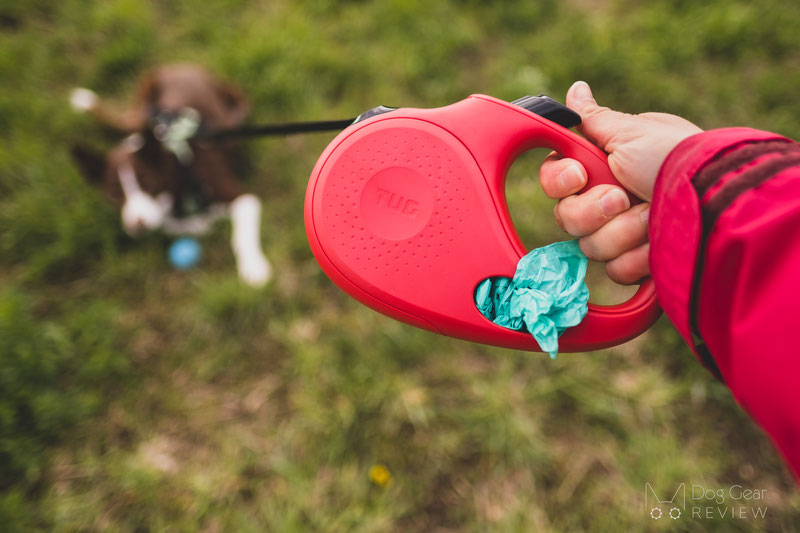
137,398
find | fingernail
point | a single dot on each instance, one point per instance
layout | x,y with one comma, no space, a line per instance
581,91
645,216
613,202
571,178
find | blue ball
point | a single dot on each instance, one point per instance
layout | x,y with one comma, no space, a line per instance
184,253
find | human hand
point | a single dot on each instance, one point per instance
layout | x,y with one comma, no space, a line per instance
609,229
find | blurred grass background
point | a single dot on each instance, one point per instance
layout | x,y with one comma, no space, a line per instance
137,398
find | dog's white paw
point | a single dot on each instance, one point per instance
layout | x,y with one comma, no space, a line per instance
254,269
83,99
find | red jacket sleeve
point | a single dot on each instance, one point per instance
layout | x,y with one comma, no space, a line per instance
725,257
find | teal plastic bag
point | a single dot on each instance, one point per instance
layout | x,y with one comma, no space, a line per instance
547,294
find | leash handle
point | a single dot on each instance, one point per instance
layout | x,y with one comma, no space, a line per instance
406,211
523,130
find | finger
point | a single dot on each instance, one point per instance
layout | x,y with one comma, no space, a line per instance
622,233
582,214
598,124
561,176
630,267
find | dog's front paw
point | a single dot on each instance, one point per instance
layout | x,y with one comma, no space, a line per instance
254,269
83,99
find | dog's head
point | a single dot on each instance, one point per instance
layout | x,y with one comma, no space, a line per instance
160,170
139,176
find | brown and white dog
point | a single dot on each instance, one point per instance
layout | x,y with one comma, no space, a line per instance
162,177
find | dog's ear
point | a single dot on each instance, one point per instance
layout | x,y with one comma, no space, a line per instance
147,95
91,163
235,100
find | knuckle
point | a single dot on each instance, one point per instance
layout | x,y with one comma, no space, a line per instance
572,225
630,230
629,268
549,182
620,273
576,216
594,112
600,249
589,249
558,218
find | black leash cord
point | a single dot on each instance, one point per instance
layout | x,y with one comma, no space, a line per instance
276,129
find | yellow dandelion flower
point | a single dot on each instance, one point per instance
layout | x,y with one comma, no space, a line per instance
381,476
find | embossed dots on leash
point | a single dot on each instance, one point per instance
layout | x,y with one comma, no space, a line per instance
397,203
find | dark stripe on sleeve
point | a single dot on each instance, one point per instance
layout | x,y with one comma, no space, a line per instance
749,179
732,160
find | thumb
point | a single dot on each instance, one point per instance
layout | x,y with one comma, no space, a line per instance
599,124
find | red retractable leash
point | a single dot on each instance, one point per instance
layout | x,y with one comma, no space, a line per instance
406,212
